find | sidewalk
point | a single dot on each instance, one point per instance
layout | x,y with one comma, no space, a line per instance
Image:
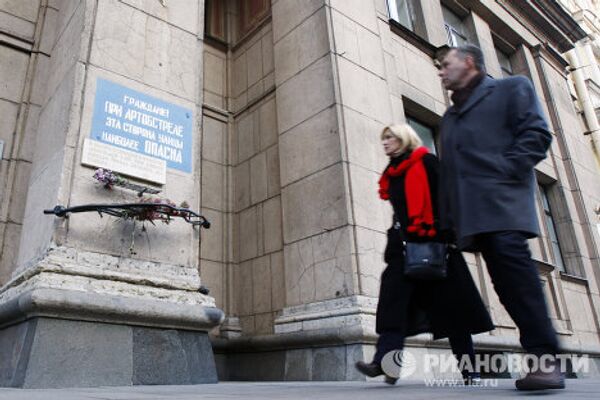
576,389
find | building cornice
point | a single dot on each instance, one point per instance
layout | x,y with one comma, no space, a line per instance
551,55
562,18
551,19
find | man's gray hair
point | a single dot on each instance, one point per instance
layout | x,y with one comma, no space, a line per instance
472,51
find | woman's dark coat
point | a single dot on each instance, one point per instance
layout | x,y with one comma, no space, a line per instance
448,307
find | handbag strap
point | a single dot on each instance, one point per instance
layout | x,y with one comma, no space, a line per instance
396,222
397,226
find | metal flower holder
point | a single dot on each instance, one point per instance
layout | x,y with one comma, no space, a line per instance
136,211
146,210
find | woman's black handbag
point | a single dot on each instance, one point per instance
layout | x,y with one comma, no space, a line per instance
426,260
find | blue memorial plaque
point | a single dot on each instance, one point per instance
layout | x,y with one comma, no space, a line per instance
134,121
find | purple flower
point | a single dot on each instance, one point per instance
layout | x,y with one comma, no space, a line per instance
106,177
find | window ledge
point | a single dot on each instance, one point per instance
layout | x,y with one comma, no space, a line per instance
413,38
544,266
573,278
216,43
250,34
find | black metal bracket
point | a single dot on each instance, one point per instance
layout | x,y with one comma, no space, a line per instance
138,211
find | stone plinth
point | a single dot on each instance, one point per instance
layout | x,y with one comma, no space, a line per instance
55,353
84,319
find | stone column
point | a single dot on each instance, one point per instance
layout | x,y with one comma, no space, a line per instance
20,52
321,90
81,309
484,39
321,285
335,93
434,22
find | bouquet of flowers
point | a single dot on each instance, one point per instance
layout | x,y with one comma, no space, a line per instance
158,213
109,178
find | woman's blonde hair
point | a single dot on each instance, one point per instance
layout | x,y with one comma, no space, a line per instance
409,140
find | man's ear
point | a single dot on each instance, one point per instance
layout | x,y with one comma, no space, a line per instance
470,62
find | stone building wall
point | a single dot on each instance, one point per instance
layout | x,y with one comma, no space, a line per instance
22,54
343,72
288,105
257,259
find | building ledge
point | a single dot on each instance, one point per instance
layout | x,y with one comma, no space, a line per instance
565,276
414,39
551,18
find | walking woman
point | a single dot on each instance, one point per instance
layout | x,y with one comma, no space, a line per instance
450,307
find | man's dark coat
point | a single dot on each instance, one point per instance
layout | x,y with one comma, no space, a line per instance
489,148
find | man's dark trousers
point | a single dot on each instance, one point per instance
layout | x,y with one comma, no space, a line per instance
517,283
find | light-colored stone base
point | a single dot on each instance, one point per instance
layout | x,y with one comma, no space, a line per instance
88,286
357,312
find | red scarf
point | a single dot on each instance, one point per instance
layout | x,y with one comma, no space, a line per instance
416,188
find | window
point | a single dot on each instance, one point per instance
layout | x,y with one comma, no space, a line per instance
403,11
456,30
551,228
425,132
505,64
214,17
250,14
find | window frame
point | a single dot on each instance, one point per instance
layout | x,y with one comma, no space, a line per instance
454,32
508,51
417,36
505,72
392,6
555,249
247,21
409,117
215,13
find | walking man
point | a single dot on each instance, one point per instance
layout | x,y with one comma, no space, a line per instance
491,138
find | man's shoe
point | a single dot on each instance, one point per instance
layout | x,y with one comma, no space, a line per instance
371,369
539,380
390,381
